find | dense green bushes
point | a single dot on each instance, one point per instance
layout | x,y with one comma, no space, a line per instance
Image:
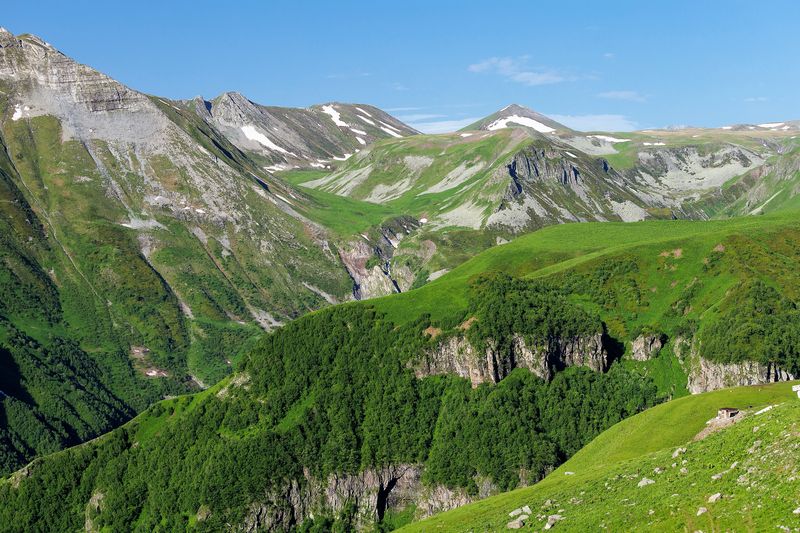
331,392
757,323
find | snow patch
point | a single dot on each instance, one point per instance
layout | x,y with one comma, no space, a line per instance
361,141
726,128
359,132
359,109
365,119
467,134
390,132
335,116
254,135
345,157
522,121
771,125
654,144
571,154
17,113
609,139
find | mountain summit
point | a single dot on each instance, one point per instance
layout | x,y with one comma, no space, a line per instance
517,116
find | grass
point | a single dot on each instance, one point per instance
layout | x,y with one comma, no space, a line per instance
558,248
342,215
603,487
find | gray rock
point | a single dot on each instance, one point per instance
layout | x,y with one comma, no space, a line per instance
515,524
701,510
714,497
645,347
552,520
645,481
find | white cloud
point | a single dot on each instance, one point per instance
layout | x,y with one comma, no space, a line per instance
443,126
629,96
397,86
419,117
516,69
596,122
609,55
756,99
396,109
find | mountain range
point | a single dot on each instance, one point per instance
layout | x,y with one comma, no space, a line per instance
158,256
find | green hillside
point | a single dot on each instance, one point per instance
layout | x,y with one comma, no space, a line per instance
598,487
336,393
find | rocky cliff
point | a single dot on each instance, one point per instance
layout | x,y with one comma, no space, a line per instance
456,355
369,494
707,375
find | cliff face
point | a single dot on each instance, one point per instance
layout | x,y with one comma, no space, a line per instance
372,492
707,375
457,356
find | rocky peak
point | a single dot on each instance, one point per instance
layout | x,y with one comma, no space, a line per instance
516,115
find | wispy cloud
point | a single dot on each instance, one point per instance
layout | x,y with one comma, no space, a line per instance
443,126
419,117
397,86
517,69
598,122
403,109
609,55
628,96
756,99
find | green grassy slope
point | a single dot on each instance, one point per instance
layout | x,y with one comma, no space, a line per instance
602,489
343,375
558,248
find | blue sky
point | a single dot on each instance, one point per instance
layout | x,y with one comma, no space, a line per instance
440,65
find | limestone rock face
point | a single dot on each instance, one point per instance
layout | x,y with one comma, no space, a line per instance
707,375
373,492
457,356
645,347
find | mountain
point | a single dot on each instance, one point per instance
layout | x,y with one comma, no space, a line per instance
651,472
142,251
283,138
397,408
467,191
516,116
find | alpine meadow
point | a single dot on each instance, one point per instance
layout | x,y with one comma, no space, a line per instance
369,293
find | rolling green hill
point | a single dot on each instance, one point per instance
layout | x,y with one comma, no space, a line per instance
335,416
599,486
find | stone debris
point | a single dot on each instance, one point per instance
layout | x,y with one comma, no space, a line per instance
702,510
526,510
677,452
714,497
515,512
645,481
515,524
796,511
552,519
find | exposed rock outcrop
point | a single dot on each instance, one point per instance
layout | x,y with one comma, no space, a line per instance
369,260
707,375
457,356
645,347
371,493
